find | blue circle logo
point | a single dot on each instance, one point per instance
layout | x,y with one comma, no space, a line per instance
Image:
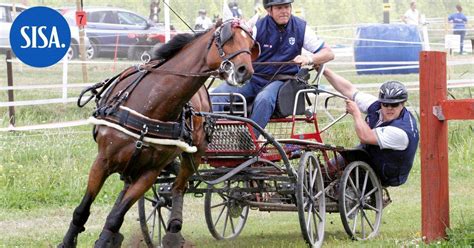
40,37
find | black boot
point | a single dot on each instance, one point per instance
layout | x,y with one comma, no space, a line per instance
70,239
108,239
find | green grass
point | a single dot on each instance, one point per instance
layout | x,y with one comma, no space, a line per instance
43,175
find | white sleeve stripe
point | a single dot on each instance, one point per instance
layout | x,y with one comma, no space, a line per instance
319,48
354,96
311,41
379,142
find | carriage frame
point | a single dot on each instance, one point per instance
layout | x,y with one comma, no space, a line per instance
286,169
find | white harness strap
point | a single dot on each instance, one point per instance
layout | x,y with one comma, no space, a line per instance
167,142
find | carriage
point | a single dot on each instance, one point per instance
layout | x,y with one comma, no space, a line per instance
149,114
289,169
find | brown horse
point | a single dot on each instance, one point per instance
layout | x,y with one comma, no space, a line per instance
155,96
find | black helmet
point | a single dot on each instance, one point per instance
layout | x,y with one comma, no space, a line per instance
393,92
269,3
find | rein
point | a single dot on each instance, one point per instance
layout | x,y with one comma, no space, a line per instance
276,63
178,73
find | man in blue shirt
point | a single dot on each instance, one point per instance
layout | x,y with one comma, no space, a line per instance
282,37
459,21
388,133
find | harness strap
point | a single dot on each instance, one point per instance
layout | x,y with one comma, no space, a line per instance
231,56
134,121
125,175
157,141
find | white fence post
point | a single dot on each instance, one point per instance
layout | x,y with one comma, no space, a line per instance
65,71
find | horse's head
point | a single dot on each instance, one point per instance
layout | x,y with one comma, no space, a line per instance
233,52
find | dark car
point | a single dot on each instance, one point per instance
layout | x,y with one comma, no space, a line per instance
119,32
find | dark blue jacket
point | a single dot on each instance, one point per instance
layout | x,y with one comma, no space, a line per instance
458,20
393,166
278,45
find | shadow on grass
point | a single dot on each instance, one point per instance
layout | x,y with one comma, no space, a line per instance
291,238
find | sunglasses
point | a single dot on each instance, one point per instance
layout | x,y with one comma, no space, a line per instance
393,105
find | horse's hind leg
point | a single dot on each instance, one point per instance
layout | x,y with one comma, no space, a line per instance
110,236
97,177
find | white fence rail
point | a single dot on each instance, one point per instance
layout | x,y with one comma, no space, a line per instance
64,85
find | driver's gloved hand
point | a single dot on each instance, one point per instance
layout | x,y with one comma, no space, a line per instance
303,75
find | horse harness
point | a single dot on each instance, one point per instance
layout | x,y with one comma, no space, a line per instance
110,108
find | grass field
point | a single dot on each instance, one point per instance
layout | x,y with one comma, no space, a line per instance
43,176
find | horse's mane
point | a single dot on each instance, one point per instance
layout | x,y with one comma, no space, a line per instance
172,47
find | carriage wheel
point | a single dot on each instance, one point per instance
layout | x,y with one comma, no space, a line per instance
153,213
224,211
360,201
311,200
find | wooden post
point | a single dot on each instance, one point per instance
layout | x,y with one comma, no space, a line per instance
434,147
82,47
11,109
386,11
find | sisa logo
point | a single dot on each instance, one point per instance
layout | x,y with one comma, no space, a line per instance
40,31
40,37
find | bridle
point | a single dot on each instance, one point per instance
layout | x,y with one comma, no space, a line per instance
220,37
224,34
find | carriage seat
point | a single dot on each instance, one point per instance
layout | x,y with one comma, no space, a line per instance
284,105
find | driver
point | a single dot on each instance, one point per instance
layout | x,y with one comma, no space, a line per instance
282,37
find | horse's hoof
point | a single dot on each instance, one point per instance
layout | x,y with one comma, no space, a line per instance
70,239
62,245
173,240
108,239
71,244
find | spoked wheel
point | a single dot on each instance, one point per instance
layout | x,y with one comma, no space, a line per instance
311,200
360,201
224,211
153,212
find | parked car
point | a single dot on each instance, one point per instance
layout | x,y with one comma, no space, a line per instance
73,51
7,15
118,31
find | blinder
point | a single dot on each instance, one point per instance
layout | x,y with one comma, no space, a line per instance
224,33
255,51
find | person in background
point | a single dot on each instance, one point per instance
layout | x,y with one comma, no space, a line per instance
459,21
281,36
234,8
154,10
202,21
388,133
412,15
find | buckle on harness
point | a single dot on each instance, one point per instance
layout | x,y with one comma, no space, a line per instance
143,132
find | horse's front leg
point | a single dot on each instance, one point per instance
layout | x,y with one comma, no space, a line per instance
173,237
110,236
97,176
